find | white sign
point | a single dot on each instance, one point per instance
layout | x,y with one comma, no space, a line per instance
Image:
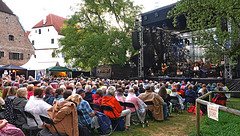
213,111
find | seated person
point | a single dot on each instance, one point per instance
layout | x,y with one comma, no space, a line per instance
88,113
37,106
88,94
64,115
204,107
59,95
110,100
131,98
157,100
49,98
9,113
219,98
179,91
9,129
120,96
190,92
19,103
97,98
66,94
166,97
2,102
180,99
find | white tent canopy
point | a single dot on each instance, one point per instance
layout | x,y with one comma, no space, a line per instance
33,64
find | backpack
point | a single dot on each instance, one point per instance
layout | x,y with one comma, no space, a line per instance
104,123
120,126
220,99
83,131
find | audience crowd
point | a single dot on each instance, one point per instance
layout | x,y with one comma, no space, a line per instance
61,99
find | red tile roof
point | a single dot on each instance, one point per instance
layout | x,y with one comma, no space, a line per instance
27,33
5,8
52,20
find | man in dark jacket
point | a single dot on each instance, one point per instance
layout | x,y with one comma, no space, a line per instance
49,98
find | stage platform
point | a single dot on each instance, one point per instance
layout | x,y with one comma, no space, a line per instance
179,79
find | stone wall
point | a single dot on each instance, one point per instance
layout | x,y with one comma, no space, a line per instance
10,25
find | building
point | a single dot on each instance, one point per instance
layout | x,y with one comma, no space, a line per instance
15,47
44,37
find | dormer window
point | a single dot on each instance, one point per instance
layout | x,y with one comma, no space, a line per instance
11,38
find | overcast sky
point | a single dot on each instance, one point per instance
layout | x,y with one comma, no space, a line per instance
30,12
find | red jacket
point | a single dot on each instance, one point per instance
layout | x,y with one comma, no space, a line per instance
182,93
97,99
112,101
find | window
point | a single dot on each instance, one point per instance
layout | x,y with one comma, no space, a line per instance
39,31
11,38
28,56
35,31
32,42
48,30
52,41
15,56
7,20
1,53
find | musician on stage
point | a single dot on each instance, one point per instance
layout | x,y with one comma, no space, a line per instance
164,68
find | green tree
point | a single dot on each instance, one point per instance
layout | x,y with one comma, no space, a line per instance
209,21
99,33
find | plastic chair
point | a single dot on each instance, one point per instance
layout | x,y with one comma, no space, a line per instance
109,108
96,107
48,121
149,103
26,126
175,103
21,113
131,105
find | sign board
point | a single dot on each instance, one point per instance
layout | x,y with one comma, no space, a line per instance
103,71
213,111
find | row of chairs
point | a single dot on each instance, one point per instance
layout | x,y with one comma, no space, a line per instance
124,104
46,121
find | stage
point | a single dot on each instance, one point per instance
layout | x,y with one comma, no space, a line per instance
179,79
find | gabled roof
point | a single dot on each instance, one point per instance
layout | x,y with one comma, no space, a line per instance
27,33
52,20
5,8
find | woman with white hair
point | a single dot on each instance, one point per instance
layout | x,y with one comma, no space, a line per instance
19,103
88,96
110,100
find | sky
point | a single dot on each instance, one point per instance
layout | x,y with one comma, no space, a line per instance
30,12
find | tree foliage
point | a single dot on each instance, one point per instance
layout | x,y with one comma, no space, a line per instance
99,33
209,21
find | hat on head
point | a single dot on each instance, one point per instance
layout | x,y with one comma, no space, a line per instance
80,91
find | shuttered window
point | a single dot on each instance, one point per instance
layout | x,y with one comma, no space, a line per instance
15,56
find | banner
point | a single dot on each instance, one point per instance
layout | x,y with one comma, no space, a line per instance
213,111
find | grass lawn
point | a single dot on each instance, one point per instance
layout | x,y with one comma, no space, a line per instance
228,124
179,124
183,124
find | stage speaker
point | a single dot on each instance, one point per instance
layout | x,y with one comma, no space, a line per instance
147,37
135,40
148,56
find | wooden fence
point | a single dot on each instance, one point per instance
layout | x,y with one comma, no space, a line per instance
222,108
